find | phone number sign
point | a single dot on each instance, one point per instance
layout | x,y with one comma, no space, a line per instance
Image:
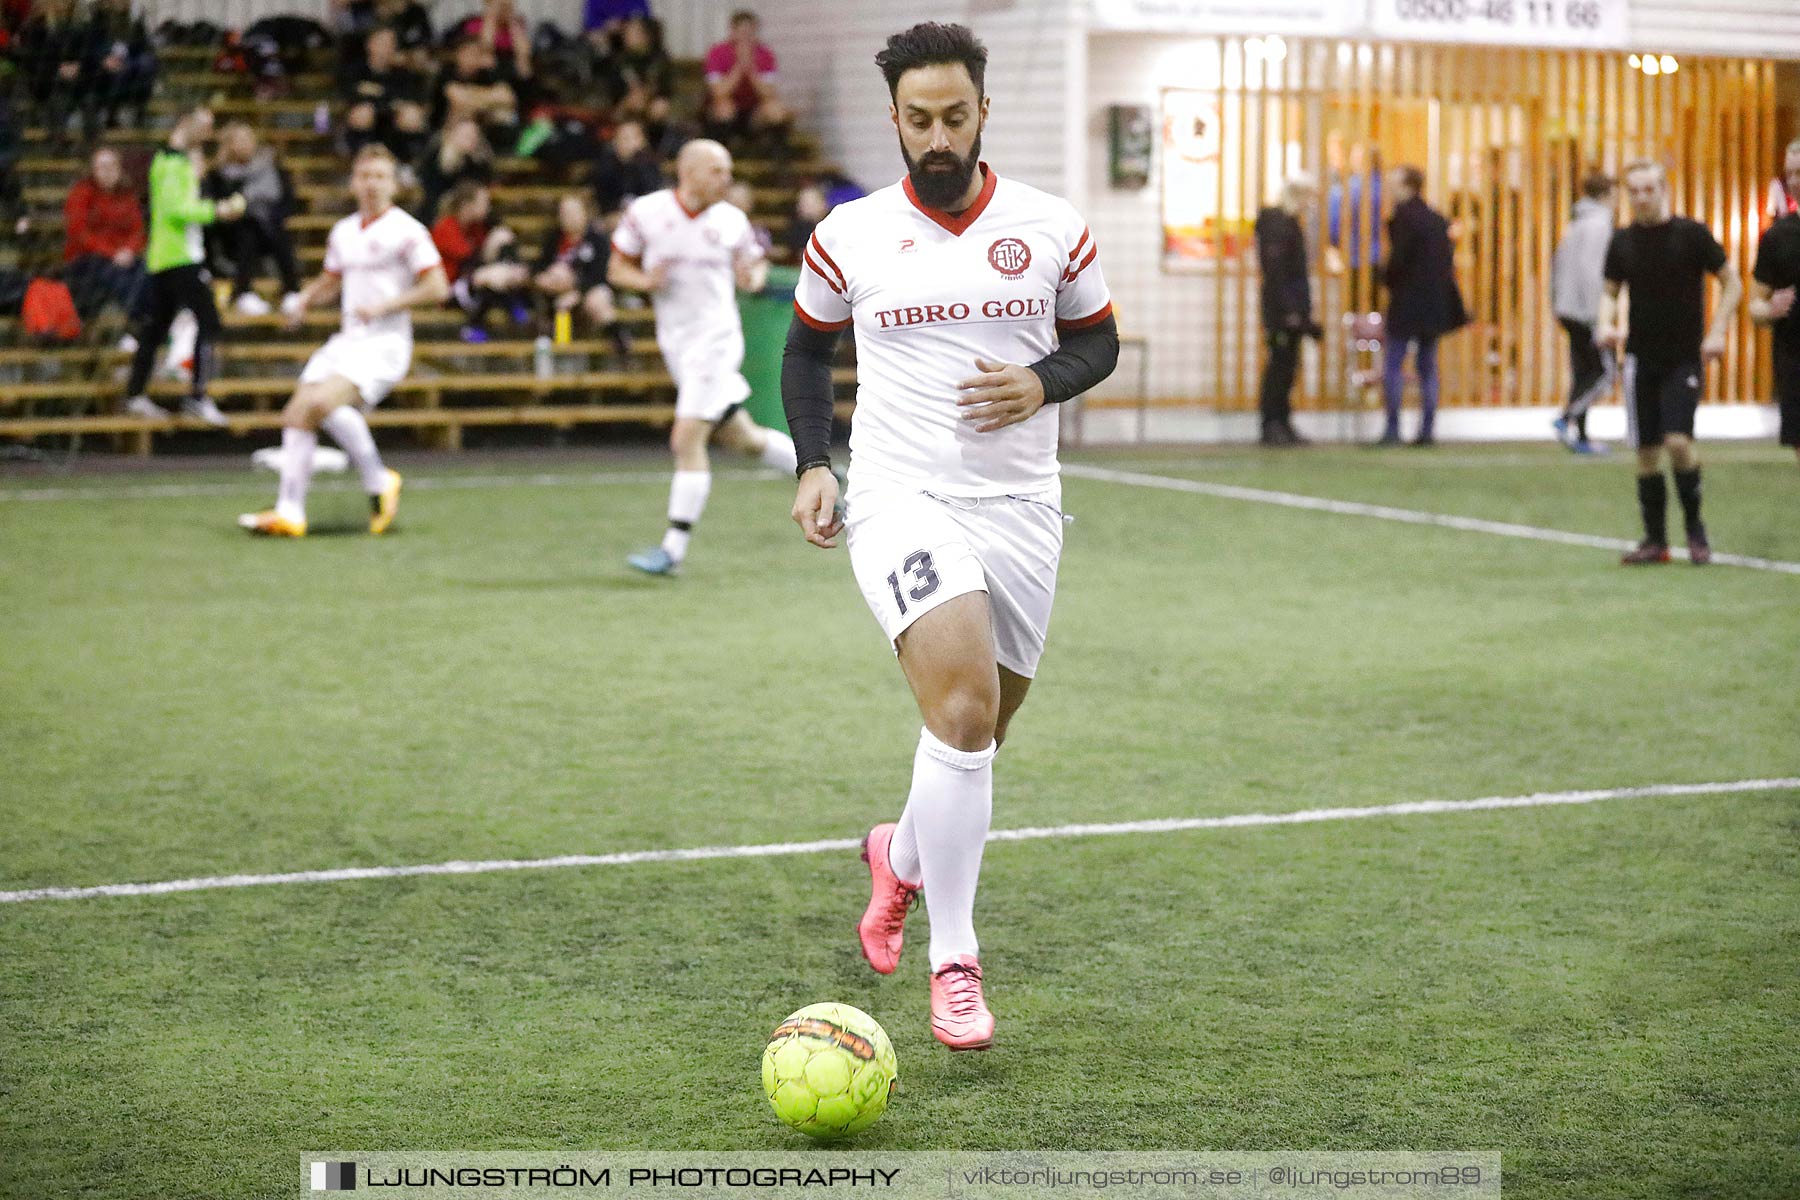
1594,24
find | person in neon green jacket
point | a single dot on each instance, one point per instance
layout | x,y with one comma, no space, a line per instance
178,279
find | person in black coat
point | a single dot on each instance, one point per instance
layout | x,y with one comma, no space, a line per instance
1424,302
1286,304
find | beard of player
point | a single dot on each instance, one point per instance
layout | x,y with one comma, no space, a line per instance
940,188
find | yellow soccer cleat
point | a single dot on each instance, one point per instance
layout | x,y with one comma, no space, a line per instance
270,523
386,504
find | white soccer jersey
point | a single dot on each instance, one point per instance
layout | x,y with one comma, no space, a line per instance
930,293
696,313
377,261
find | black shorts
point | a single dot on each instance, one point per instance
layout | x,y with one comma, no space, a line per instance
1664,397
1787,393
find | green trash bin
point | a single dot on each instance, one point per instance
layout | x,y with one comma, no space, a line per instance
766,315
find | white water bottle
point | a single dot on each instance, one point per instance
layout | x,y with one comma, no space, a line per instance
543,358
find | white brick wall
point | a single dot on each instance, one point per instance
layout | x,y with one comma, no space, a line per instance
828,50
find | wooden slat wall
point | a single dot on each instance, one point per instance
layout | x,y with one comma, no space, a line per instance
1504,137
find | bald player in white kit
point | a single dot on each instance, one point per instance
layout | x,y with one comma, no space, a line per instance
690,250
384,263
976,301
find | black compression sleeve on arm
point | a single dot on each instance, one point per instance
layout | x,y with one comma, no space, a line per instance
806,390
1085,357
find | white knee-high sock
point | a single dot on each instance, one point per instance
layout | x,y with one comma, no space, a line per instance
778,452
687,501
903,850
350,429
297,446
951,805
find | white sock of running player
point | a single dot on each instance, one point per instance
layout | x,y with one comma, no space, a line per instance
903,848
350,429
952,803
297,446
687,500
778,452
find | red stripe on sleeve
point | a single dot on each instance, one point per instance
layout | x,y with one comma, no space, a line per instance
821,326
1085,322
813,245
820,272
1083,241
1074,272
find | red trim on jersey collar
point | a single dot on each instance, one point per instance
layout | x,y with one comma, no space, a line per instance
682,204
959,222
368,221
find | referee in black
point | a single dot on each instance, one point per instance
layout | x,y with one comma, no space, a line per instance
1772,288
1661,262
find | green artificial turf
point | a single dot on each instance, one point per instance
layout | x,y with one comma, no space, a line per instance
1608,994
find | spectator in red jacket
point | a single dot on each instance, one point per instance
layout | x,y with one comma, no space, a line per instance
481,257
741,99
103,246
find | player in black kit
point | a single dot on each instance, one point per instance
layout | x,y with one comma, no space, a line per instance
1772,303
1662,262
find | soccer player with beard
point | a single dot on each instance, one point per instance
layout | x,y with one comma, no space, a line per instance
976,302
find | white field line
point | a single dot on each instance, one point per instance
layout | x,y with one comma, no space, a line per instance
1352,508
830,845
440,483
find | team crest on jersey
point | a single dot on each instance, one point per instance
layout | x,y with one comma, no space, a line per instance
1010,256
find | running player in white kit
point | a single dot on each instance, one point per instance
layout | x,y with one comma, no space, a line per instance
384,263
690,251
976,301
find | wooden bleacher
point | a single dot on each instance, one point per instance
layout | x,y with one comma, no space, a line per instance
454,385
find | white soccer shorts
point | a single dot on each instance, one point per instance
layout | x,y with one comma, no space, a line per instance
375,365
709,379
911,551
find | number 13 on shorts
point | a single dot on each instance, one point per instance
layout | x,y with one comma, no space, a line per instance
918,572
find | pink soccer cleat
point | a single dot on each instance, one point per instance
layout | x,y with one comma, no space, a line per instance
959,1015
890,898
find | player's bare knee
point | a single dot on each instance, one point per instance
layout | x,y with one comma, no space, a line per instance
296,413
967,716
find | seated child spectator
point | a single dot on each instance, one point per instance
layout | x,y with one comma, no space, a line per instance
244,168
386,100
472,87
50,53
481,257
500,28
460,155
121,62
645,76
355,20
624,169
103,241
740,82
571,268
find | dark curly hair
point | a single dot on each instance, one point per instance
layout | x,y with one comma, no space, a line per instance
930,44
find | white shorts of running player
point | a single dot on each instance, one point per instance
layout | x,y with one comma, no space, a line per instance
709,378
911,551
374,364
